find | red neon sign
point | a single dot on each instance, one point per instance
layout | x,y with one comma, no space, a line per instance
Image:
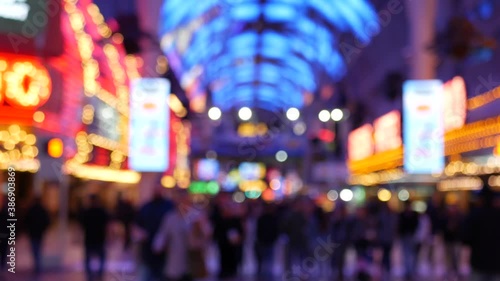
24,82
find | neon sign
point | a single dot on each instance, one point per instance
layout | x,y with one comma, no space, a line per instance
388,131
455,106
360,143
24,82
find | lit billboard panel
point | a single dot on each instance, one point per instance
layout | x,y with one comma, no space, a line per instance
360,143
149,125
455,103
388,131
423,126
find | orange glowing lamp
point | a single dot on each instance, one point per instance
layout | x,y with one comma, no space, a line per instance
496,150
55,148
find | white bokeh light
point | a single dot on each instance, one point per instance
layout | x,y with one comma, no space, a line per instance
293,114
214,113
346,195
403,195
332,195
239,197
324,115
299,129
245,113
337,115
281,156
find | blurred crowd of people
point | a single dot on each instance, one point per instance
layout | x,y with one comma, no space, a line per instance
172,235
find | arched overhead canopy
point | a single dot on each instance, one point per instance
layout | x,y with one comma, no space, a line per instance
260,53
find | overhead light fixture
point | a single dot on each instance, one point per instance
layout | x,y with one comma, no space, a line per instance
214,113
324,116
293,114
245,113
337,114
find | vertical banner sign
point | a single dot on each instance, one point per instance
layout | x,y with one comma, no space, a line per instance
423,126
149,125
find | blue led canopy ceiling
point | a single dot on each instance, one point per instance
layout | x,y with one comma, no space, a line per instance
260,53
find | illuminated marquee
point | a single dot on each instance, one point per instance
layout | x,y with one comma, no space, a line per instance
24,82
455,105
360,143
388,131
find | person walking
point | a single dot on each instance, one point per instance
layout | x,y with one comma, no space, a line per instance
481,234
94,220
148,221
341,230
451,234
125,214
230,235
407,228
387,231
295,228
267,233
37,221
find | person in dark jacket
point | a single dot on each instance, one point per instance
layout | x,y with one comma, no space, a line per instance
230,236
149,219
453,221
407,228
387,230
267,234
94,221
481,234
125,215
341,231
37,221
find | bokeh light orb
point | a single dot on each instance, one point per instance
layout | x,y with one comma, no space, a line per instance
281,156
245,113
324,116
384,195
214,113
337,115
346,195
404,195
332,195
293,114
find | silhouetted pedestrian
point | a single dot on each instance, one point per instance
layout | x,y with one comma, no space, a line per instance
125,214
481,234
407,228
37,221
149,219
267,234
94,221
341,231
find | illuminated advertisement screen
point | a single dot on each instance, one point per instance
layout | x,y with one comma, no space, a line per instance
149,125
26,17
207,169
423,126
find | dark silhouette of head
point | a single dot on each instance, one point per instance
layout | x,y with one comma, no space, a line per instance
94,200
